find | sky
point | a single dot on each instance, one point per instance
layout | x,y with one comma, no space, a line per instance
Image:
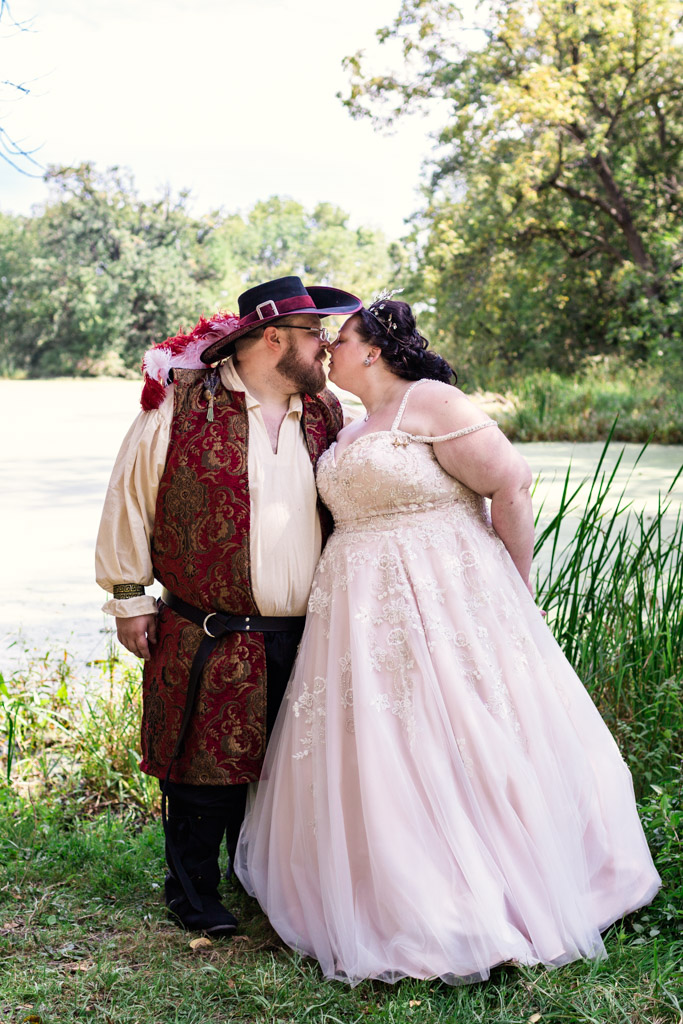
234,100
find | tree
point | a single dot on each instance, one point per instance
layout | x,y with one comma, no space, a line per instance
101,275
279,237
553,222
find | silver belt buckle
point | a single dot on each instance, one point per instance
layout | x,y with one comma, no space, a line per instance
209,616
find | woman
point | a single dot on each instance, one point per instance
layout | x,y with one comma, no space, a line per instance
440,795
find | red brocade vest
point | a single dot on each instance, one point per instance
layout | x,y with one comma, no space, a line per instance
200,552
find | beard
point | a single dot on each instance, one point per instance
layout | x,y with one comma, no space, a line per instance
308,379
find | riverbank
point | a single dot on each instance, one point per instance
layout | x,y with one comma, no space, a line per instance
631,403
607,396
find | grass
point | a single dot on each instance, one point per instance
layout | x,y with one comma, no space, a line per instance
544,406
75,743
83,936
613,593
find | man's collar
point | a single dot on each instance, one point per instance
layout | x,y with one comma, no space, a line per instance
233,382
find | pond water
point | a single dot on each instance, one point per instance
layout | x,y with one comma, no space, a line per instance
60,439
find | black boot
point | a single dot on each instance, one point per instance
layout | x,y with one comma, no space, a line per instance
195,840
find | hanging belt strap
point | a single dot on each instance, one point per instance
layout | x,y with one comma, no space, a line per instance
216,625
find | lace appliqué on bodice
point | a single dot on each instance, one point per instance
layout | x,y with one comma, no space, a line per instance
393,503
390,472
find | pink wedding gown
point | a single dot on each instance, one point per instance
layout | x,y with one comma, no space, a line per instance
440,794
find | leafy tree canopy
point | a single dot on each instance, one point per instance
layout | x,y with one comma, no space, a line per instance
552,226
99,275
278,237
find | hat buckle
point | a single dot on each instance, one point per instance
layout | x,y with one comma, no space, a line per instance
264,316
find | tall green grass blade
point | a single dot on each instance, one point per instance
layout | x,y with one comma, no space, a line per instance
613,593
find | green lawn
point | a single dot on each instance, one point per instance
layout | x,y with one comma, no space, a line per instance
83,937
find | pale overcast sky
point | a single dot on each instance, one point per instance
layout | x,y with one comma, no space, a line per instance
233,99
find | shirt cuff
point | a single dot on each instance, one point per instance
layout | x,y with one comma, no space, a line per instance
127,607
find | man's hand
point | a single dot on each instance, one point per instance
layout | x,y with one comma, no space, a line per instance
137,633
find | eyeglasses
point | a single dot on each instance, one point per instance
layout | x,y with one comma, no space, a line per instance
322,332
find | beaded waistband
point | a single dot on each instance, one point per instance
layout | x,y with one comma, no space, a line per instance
419,510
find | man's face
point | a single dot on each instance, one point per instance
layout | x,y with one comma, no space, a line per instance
303,355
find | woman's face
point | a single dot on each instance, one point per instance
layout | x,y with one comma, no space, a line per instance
347,354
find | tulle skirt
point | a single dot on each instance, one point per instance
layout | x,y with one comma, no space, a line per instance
440,795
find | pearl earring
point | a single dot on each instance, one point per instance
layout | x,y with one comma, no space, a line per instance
367,361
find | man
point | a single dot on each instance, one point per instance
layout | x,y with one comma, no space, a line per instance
213,494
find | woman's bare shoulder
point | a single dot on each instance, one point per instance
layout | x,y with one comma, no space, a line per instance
435,408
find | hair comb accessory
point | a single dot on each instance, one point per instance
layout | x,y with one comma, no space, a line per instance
386,294
378,304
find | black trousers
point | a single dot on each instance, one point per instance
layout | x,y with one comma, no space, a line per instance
227,803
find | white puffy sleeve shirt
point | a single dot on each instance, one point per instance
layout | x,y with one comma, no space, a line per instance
285,536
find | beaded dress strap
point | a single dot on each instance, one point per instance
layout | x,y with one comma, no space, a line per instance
441,437
402,406
456,433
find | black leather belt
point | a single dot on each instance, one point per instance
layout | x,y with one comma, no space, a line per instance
216,625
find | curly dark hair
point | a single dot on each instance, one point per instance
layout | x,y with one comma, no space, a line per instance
390,325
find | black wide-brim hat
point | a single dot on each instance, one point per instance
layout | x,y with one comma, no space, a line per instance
283,297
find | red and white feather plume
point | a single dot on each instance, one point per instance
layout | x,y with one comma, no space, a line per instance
183,351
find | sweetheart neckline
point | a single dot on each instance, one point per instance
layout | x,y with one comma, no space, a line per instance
373,433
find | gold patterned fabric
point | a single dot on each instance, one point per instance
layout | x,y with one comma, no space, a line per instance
285,534
201,553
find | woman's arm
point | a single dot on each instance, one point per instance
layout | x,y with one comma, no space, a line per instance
513,520
484,461
487,463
